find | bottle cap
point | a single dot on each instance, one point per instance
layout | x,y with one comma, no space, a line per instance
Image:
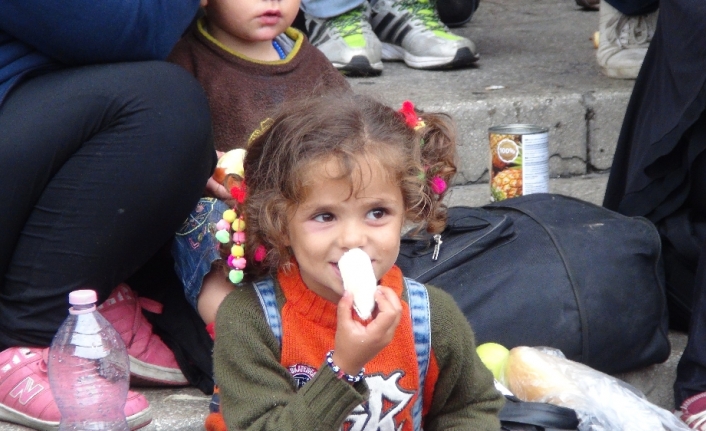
83,297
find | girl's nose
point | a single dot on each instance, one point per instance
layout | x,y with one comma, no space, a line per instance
353,235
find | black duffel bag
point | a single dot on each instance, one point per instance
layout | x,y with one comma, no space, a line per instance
550,270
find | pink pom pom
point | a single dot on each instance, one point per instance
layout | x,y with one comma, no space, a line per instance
437,185
239,237
230,260
223,225
239,263
260,253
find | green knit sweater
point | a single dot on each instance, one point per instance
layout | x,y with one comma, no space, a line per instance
258,393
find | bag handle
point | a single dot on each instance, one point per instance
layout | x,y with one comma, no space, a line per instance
545,415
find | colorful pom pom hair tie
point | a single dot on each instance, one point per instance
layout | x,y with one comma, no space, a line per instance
230,233
413,121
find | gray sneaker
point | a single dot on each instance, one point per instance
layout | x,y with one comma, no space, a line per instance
410,30
623,41
347,41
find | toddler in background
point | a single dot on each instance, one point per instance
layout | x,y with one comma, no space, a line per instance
248,60
329,175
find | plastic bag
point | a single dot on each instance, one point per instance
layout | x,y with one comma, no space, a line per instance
602,402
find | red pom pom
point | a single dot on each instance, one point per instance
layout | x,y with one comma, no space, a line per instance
410,116
238,194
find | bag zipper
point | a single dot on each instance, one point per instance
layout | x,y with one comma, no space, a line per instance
437,246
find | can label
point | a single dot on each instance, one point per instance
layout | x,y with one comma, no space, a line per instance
519,160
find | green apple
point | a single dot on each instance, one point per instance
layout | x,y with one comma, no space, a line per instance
494,356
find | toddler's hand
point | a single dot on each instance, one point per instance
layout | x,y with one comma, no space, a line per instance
215,189
357,343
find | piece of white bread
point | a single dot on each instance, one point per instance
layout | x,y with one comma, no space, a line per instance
359,278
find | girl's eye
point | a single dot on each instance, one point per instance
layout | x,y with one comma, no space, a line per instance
323,218
377,213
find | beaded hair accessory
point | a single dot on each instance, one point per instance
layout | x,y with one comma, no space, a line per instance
230,230
413,121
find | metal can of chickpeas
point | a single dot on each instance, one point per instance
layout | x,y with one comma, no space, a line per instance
519,160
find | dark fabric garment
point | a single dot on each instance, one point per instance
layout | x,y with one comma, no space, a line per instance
651,164
659,169
455,13
691,370
98,167
634,7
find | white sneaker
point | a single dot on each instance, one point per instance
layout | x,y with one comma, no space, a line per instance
347,41
623,41
411,30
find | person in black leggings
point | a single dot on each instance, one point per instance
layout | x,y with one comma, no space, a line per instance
99,166
659,172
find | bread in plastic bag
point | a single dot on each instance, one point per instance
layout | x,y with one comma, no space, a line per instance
602,402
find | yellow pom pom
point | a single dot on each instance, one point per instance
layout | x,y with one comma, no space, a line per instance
229,216
237,250
238,225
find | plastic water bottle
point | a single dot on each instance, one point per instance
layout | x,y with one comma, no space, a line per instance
88,369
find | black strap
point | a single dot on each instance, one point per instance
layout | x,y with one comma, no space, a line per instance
547,416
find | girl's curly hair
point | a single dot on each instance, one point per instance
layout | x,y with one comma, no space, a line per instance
347,128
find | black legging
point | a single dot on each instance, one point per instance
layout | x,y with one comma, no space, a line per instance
455,13
98,167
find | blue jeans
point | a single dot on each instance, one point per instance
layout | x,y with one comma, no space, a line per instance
329,8
195,246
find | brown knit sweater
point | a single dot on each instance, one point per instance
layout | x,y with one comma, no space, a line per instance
242,92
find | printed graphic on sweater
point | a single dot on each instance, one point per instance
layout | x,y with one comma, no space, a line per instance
387,399
302,373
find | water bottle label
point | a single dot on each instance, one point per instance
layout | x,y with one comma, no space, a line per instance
89,346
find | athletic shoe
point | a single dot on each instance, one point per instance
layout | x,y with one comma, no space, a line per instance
623,41
693,412
589,4
347,41
151,361
410,30
26,399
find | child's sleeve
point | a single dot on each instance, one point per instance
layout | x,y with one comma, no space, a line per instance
464,397
257,393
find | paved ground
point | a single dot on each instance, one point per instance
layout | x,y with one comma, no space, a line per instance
539,58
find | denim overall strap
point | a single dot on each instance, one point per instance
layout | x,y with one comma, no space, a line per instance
265,289
421,325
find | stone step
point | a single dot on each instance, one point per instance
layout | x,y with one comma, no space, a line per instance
537,66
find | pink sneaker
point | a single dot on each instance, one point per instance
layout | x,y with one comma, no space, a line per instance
151,361
25,397
693,412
